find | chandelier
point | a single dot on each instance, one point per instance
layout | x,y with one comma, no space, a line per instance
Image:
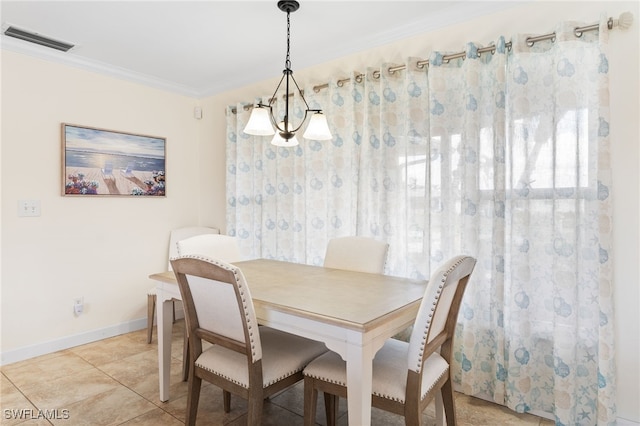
262,121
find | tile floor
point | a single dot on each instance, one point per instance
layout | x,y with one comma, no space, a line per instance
115,382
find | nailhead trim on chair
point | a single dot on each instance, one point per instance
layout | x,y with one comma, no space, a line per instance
242,294
433,309
444,373
246,385
423,343
326,379
340,383
246,311
230,379
283,376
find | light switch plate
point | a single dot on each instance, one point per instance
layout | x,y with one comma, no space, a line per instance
28,208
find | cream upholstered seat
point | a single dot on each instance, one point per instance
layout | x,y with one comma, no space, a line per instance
245,360
175,236
360,254
406,376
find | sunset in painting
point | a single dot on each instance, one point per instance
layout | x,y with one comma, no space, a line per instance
102,162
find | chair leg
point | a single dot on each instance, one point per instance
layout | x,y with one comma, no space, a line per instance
193,397
413,418
226,401
439,408
449,405
310,402
185,355
255,403
330,408
151,309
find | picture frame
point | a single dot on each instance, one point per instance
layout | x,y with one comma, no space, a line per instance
99,162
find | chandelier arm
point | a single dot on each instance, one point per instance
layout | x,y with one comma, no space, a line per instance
273,97
299,91
301,122
274,122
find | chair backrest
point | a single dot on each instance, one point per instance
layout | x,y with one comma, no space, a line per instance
218,305
360,254
183,233
439,308
215,246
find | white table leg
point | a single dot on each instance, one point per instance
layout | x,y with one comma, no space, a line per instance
359,376
164,325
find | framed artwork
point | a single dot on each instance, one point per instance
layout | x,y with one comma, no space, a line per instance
105,162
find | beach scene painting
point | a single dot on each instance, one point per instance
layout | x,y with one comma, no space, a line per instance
105,162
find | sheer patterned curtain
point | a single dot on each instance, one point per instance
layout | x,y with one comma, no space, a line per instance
503,156
285,203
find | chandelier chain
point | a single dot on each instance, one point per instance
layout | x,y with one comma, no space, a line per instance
287,62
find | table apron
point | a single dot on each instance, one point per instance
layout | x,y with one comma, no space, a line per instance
168,291
337,338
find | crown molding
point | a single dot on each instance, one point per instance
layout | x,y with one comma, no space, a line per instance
69,59
459,12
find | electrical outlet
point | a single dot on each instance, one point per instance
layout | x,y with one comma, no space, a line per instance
78,306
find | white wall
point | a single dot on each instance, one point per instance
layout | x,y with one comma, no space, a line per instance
212,163
104,248
538,18
100,248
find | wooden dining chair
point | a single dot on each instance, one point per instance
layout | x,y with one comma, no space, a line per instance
175,236
362,254
244,359
406,376
215,246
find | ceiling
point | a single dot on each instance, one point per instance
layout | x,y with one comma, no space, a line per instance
200,48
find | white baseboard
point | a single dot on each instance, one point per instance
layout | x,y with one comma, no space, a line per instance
32,351
624,422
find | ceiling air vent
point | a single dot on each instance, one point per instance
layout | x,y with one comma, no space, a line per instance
37,39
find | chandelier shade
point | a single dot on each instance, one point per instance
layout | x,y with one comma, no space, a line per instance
278,140
317,128
262,121
259,123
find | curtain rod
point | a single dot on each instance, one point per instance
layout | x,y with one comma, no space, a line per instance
624,22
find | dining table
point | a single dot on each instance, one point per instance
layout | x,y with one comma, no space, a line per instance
353,313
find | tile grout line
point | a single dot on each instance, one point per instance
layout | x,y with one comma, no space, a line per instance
23,394
128,388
